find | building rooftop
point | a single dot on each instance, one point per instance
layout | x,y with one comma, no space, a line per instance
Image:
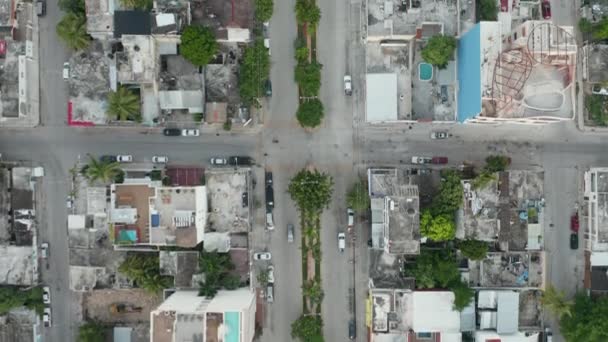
18,325
7,9
17,265
395,212
393,19
434,312
137,62
224,16
100,18
509,270
9,77
181,265
132,22
392,311
225,190
381,97
596,197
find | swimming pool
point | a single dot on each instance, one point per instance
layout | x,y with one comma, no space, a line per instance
425,71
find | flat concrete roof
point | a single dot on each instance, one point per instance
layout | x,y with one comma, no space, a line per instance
434,312
381,97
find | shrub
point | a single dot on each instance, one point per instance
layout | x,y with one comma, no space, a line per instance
310,113
198,45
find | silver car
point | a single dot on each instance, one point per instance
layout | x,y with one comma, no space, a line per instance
290,233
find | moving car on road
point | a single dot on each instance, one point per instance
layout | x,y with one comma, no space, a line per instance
46,317
40,8
172,132
218,161
341,241
268,177
439,135
124,158
348,85
262,256
160,159
190,132
46,295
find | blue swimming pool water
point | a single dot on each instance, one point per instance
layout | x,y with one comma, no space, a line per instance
425,71
232,320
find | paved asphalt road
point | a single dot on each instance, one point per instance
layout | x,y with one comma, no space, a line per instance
337,147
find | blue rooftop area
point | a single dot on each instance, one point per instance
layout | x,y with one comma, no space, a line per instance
469,74
155,220
232,320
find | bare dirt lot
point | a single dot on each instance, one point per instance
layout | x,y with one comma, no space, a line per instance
97,305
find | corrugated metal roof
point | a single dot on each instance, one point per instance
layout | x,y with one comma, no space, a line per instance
507,320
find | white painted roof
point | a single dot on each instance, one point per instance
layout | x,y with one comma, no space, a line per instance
381,97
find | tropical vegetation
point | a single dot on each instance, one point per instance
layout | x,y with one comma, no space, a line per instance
217,268
254,71
308,328
310,113
13,297
144,270
357,197
72,29
124,104
91,331
104,171
439,50
588,321
198,45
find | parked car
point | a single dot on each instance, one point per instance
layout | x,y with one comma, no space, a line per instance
108,159
270,293
172,132
190,132
545,7
348,85
341,241
218,161
40,8
160,159
269,221
46,295
548,335
574,223
269,198
439,160
268,178
124,158
240,160
271,274
421,160
245,199
268,87
574,241
66,71
599,90
351,217
46,317
44,250
439,135
69,202
262,256
290,233
352,329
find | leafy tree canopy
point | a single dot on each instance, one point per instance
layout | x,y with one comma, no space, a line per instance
144,270
137,4
449,197
463,295
434,269
73,31
307,11
310,113
313,290
72,6
358,197
488,10
263,9
308,329
589,320
437,228
556,302
311,190
308,76
124,104
217,268
101,170
600,30
496,163
91,332
596,106
254,71
585,25
473,249
13,297
439,50
198,45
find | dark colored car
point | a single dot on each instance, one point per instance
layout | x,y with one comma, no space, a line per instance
108,159
268,178
545,7
40,8
245,199
268,88
574,223
269,198
352,329
573,241
439,160
172,132
240,161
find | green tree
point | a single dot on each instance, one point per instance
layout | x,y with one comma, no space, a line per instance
101,170
231,281
123,105
72,29
144,270
307,11
198,45
473,249
556,302
145,5
585,26
439,50
497,163
434,268
589,320
463,295
263,9
311,190
483,179
310,113
600,30
312,289
262,277
449,197
597,109
91,332
308,77
358,198
217,268
302,55
308,329
437,228
72,6
253,71
13,297
488,10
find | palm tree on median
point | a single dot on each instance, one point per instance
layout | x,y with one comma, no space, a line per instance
123,105
101,170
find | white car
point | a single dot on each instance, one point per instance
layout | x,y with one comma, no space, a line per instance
218,161
269,221
599,90
160,159
351,217
341,241
46,317
190,132
348,85
46,295
439,135
124,158
44,250
69,202
271,274
66,70
262,256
